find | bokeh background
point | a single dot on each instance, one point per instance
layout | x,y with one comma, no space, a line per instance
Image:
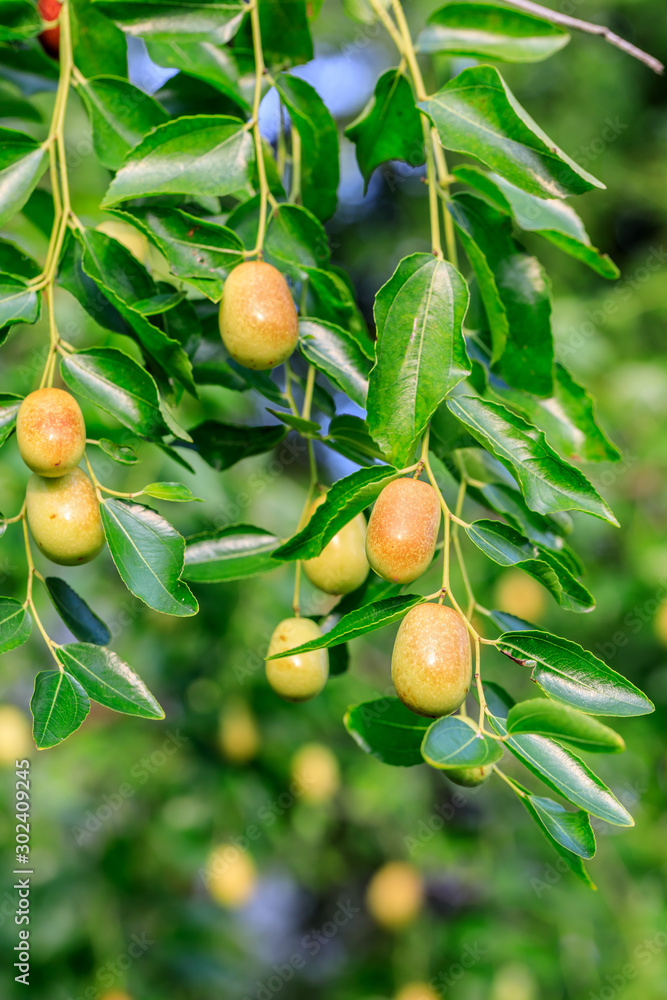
126,813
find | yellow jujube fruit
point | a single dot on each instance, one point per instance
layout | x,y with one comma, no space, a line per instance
128,236
50,432
64,518
15,741
315,770
342,565
300,677
238,733
431,665
395,895
402,530
518,594
258,320
231,875
417,991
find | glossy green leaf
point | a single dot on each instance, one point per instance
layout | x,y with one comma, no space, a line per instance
508,547
389,127
197,155
9,408
508,501
15,624
548,483
98,45
331,297
547,718
215,64
120,116
108,680
115,382
148,553
74,279
490,31
59,705
572,675
365,619
569,833
295,238
285,32
319,144
336,354
80,619
506,622
346,498
477,114
207,21
18,302
223,445
420,349
388,731
176,492
22,163
455,742
234,552
304,427
14,261
19,20
349,435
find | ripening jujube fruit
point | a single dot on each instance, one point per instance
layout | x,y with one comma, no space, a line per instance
64,518
258,320
395,895
49,10
417,991
520,595
300,677
403,530
431,664
50,432
231,875
469,777
15,742
238,734
315,770
342,565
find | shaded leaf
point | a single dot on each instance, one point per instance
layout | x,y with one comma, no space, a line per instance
108,680
22,163
79,618
336,354
120,115
388,731
223,445
455,742
15,624
230,553
492,32
59,705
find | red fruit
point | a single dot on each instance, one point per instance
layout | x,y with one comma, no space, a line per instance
49,10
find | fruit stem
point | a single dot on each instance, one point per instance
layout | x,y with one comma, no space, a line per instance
305,415
459,552
29,602
259,151
287,391
508,780
295,185
480,686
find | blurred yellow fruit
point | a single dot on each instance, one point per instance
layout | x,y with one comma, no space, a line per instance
520,595
514,982
660,623
128,236
15,735
315,770
395,895
232,875
238,734
417,991
116,995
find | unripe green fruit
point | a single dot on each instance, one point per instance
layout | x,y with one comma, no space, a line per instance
402,530
258,320
64,518
50,432
342,565
431,665
300,677
469,777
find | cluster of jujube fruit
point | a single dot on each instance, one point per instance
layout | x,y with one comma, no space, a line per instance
62,507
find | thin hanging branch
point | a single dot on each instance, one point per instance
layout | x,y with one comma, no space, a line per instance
592,29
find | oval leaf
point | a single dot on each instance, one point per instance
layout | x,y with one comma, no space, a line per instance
59,705
231,553
388,731
546,718
108,680
453,742
15,624
79,618
490,31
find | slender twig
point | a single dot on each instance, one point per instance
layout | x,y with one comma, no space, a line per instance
259,150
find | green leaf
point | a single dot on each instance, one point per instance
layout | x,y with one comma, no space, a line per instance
207,21
546,718
120,115
79,618
295,239
285,32
203,60
490,31
569,833
197,155
223,445
455,742
551,218
508,547
98,46
176,492
572,675
349,435
547,482
420,350
14,261
15,624
331,297
59,705
346,498
477,114
515,291
506,622
9,408
319,144
234,552
388,731
115,382
508,501
19,20
108,680
201,252
73,278
148,553
18,302
307,428
365,619
336,354
389,127
22,163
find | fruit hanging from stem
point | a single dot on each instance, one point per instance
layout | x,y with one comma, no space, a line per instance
64,518
431,665
299,677
342,565
258,320
402,530
50,432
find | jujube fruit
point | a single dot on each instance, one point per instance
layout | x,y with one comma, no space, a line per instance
238,733
315,771
520,595
49,10
258,320
417,991
64,518
402,530
431,665
342,565
469,777
395,895
50,432
231,875
299,677
15,742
